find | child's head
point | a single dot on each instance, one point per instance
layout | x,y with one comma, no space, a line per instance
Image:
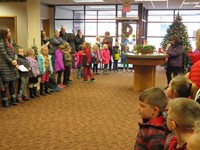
152,103
126,48
181,86
182,114
193,142
20,51
86,44
80,47
67,47
98,38
95,47
116,43
62,47
105,46
30,52
44,50
56,33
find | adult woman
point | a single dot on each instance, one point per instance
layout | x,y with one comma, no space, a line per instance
175,59
8,66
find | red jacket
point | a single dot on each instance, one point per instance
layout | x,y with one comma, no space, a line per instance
173,144
193,56
152,135
87,51
194,75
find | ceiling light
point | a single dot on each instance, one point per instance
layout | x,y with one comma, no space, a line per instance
149,0
191,3
197,6
88,1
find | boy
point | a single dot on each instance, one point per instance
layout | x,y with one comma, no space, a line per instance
153,130
182,115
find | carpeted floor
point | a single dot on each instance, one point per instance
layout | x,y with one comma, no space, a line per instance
100,115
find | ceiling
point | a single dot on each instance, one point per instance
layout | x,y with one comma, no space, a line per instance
167,4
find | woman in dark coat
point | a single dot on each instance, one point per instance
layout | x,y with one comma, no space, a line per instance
8,66
175,59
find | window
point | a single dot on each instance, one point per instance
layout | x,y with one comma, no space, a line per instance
157,29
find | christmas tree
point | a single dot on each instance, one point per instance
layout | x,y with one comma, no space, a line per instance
179,29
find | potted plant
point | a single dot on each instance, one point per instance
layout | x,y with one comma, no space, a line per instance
138,48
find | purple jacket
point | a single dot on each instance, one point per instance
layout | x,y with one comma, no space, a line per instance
105,55
175,56
59,64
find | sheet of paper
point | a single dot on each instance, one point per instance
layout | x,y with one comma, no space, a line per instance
22,68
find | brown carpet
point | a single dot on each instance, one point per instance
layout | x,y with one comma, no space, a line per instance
101,115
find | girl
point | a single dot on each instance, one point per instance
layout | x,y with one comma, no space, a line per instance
24,76
79,58
59,64
45,68
125,64
68,64
86,64
98,41
33,73
105,55
96,58
8,66
181,86
116,56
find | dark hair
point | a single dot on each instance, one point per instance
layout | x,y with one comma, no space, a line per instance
176,39
154,97
3,32
80,47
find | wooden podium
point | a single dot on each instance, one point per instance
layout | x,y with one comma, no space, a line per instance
144,69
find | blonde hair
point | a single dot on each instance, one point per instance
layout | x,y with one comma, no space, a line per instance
42,48
61,47
95,46
183,87
198,39
18,49
86,44
155,97
29,52
98,38
105,46
185,112
67,45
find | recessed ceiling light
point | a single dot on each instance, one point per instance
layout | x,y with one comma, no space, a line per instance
197,6
191,3
88,1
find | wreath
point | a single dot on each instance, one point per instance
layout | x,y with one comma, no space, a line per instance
126,33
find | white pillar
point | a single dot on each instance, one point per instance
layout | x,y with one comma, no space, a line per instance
34,33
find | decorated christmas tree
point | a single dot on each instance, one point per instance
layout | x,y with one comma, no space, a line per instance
179,29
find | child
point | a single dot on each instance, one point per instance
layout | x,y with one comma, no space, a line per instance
45,68
33,73
67,58
98,41
79,58
153,130
24,76
59,64
193,142
105,55
125,65
96,58
87,61
116,56
181,86
181,118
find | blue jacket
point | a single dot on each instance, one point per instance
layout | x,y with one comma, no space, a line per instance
41,64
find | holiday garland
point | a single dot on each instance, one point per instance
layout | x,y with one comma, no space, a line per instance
126,33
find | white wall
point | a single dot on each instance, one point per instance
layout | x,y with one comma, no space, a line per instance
19,10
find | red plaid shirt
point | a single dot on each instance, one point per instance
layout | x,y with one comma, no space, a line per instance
152,135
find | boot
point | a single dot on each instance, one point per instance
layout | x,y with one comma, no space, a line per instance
35,92
42,89
31,93
13,101
5,102
46,88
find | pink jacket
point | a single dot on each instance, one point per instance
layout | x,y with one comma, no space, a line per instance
105,55
59,64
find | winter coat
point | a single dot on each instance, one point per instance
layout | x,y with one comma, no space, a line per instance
23,61
105,55
79,41
41,64
8,71
96,56
194,75
175,54
55,42
59,64
194,56
87,57
108,41
116,53
67,59
34,72
152,135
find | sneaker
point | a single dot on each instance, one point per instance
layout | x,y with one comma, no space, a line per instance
94,73
60,86
19,100
93,79
25,98
85,81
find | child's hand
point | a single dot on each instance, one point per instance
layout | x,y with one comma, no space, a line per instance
14,62
17,66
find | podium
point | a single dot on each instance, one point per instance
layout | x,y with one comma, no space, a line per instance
144,69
